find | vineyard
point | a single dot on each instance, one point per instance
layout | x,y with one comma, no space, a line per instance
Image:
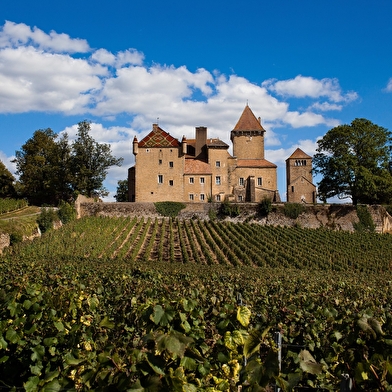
133,304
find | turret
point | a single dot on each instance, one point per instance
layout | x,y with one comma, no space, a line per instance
135,145
184,145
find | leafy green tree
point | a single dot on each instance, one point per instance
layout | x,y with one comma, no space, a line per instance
7,180
90,162
354,162
38,166
122,191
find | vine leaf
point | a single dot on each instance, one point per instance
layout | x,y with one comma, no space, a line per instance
243,315
308,364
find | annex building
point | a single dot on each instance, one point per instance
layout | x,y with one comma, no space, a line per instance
202,170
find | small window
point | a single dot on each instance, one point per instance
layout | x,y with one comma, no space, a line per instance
171,182
217,180
202,196
147,150
171,164
240,198
191,180
191,197
160,179
218,198
217,164
242,181
259,181
201,180
160,161
292,189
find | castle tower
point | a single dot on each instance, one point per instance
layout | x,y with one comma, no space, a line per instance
299,177
248,136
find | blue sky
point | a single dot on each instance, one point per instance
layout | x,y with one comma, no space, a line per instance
302,66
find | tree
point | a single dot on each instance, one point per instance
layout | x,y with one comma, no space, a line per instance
90,163
122,191
354,162
39,168
7,180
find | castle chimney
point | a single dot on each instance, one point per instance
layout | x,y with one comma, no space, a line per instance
184,145
201,140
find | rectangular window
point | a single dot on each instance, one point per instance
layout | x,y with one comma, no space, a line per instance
202,196
241,181
160,179
201,180
160,161
292,189
240,198
259,181
171,182
218,198
191,198
217,164
191,180
171,164
217,180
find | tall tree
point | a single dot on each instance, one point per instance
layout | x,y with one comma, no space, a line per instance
7,180
90,162
35,164
122,191
354,162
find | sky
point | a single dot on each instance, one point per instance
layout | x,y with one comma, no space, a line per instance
302,66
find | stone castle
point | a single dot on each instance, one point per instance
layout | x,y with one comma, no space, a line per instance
202,170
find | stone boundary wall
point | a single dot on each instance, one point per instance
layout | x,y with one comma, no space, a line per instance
332,216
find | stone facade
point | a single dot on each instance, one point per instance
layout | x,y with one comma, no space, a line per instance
201,169
300,187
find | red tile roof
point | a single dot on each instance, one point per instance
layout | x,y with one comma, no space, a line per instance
260,163
248,121
195,166
298,153
158,138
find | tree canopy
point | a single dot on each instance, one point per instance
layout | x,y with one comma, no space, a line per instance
51,169
7,180
122,191
354,162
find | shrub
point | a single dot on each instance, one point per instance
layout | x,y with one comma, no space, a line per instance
169,208
229,209
365,220
66,212
293,210
15,238
265,206
46,218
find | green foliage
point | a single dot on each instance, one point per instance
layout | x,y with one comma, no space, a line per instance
293,210
354,162
169,208
46,219
7,180
90,163
105,304
365,219
15,238
212,215
227,208
66,212
8,205
122,191
51,169
265,206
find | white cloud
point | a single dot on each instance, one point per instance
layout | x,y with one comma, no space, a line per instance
14,35
127,57
325,106
32,80
389,85
307,119
305,86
